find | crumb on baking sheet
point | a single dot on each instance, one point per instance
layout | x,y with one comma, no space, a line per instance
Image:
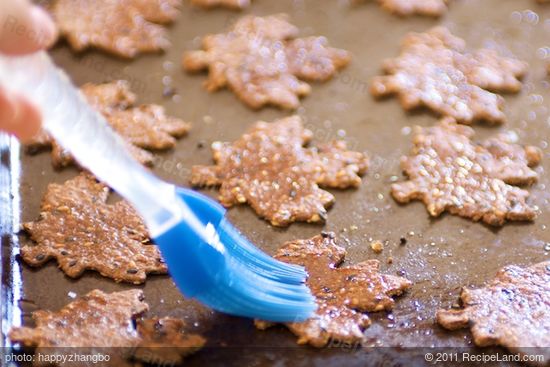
377,246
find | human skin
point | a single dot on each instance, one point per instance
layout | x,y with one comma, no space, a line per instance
24,29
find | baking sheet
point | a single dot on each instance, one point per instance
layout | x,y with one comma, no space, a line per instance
440,256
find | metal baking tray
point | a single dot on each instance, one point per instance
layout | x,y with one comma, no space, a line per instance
440,256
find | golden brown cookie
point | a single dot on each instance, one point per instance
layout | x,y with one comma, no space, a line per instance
121,27
165,342
431,8
513,311
142,127
436,71
103,324
272,170
262,62
81,231
343,294
450,172
231,4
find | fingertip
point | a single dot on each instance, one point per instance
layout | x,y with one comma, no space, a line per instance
29,120
45,27
26,28
8,109
19,117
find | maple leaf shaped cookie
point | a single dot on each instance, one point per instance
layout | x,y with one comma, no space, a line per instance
231,4
272,170
97,320
262,62
448,171
511,311
81,231
431,8
121,27
103,323
142,127
435,71
343,294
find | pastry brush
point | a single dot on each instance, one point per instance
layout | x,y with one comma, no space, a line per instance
206,256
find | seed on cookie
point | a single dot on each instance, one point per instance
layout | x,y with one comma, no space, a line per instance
436,71
104,323
512,310
450,172
273,170
262,62
81,231
121,27
343,293
142,127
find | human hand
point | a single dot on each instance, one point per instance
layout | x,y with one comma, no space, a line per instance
24,28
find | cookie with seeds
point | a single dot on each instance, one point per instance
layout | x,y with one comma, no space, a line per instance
231,4
450,172
81,231
512,310
263,62
165,341
344,294
436,71
431,8
142,127
97,322
121,27
273,170
103,323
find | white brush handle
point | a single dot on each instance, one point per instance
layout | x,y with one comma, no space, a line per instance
84,132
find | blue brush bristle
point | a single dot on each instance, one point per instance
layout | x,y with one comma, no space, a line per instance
209,211
264,264
228,273
244,292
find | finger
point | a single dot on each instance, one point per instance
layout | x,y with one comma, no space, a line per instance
24,28
18,116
